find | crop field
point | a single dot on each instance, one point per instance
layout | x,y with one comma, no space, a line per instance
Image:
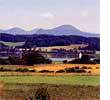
72,46
94,68
12,43
69,80
77,87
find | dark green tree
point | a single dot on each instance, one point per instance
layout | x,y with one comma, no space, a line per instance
32,58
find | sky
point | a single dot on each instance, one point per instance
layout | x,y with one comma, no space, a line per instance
30,14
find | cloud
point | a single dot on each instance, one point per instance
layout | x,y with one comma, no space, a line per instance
85,13
48,15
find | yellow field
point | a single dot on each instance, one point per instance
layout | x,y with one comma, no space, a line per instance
73,46
94,68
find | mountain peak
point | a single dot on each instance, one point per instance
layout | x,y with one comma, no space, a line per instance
67,27
60,30
15,28
14,31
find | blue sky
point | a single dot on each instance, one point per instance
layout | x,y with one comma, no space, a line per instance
29,14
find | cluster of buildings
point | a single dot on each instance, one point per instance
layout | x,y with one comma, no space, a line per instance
50,52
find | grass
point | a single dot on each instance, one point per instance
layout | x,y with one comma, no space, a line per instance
72,87
58,87
69,80
12,43
56,92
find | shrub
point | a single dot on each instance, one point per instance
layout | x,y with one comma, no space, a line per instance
4,61
89,67
84,67
97,67
22,70
65,61
1,69
97,61
4,69
14,60
42,94
89,71
32,58
32,70
77,67
81,71
77,70
69,70
60,71
45,71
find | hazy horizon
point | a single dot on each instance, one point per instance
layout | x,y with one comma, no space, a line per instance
31,14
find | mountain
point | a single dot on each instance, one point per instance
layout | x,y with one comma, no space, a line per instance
33,31
66,30
61,30
14,31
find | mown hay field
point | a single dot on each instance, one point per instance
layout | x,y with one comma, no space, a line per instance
94,68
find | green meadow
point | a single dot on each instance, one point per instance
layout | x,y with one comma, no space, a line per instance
58,87
69,80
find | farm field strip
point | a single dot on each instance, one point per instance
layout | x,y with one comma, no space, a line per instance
69,80
55,67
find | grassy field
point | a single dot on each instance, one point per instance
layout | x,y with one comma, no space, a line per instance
56,92
77,87
60,86
13,43
69,80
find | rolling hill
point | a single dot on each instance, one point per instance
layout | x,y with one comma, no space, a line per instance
36,40
60,30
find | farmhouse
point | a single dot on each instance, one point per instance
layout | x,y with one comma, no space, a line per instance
71,51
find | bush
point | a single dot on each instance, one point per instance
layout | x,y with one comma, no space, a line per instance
77,67
46,71
14,60
89,67
60,71
89,71
42,94
76,70
85,59
84,67
4,61
65,61
81,71
97,67
32,58
32,70
76,61
69,70
22,70
4,69
97,61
